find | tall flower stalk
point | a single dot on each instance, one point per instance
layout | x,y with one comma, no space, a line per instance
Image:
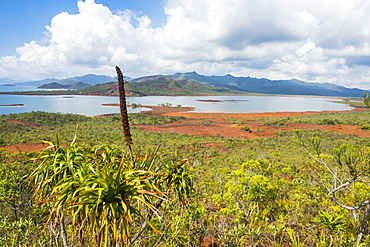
123,108
107,198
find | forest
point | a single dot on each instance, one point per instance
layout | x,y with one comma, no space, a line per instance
104,181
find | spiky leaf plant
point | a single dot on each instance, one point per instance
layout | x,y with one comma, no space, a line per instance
105,195
97,190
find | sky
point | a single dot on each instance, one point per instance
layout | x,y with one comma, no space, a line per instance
313,41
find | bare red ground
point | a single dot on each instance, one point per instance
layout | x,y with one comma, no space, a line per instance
25,147
19,122
215,124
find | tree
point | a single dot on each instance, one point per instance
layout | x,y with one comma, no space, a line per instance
367,99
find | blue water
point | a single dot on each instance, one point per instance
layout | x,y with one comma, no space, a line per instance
92,105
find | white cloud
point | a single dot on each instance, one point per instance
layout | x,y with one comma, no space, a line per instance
323,41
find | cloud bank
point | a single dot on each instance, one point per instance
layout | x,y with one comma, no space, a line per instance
319,41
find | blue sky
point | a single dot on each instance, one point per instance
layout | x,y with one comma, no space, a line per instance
24,20
314,41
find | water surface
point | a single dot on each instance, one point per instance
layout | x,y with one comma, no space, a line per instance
93,105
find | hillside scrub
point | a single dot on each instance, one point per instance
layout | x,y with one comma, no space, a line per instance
247,192
349,118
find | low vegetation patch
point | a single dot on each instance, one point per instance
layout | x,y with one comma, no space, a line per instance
247,192
347,118
246,128
365,127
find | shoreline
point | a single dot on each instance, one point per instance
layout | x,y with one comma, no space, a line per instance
217,124
156,110
45,93
253,114
187,112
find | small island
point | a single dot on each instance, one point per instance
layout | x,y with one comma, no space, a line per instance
12,105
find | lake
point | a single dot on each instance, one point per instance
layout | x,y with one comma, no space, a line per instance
92,105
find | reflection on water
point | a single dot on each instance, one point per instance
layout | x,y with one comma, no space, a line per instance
93,105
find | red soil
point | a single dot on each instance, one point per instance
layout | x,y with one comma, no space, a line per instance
12,105
215,124
25,147
28,124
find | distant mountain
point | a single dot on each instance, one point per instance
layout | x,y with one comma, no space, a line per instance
39,83
255,85
89,79
159,86
7,81
178,76
179,84
56,85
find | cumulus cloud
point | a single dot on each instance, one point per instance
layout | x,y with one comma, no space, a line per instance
320,41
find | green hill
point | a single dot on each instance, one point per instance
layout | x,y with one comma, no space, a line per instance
56,85
160,86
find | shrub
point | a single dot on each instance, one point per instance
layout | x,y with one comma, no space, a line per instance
327,121
134,105
281,124
246,128
166,105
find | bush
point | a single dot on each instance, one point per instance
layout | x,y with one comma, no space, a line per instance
365,127
327,121
134,105
246,128
166,105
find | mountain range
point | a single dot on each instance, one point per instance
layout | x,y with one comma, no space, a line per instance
241,84
266,86
91,79
159,86
56,85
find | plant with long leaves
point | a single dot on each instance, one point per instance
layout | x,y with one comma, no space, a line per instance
107,195
104,195
178,180
175,181
108,200
56,164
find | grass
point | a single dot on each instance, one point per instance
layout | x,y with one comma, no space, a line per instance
349,118
248,192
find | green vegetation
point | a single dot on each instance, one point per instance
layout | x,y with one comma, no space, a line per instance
141,119
246,128
367,99
159,86
298,188
163,86
234,121
55,85
135,105
349,118
355,102
166,105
